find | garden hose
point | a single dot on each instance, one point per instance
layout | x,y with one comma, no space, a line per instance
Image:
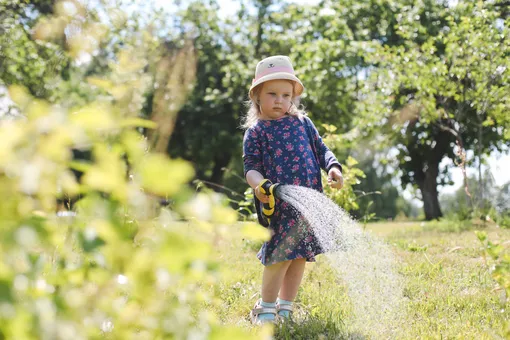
268,188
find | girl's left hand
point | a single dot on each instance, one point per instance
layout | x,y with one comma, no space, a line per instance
335,178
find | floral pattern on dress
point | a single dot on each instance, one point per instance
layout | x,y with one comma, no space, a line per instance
282,152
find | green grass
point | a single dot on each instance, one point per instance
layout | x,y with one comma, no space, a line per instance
448,289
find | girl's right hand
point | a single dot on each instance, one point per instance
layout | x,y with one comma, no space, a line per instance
262,197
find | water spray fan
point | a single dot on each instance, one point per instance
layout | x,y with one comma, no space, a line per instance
268,188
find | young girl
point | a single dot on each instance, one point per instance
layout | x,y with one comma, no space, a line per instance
282,144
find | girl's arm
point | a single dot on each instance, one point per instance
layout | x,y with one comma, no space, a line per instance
253,177
253,164
326,157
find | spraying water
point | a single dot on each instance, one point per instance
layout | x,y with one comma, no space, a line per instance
366,264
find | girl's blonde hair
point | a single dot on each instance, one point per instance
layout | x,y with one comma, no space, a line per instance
253,114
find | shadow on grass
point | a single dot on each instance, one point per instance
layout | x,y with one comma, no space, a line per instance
314,328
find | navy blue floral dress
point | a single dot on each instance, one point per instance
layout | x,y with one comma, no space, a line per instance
288,150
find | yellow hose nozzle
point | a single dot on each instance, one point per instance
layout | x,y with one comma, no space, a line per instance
267,188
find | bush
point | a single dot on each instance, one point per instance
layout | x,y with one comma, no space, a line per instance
118,265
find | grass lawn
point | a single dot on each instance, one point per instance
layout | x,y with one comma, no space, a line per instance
448,290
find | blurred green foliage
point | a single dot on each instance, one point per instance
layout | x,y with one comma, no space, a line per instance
119,266
346,197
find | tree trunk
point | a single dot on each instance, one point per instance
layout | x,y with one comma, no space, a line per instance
262,6
425,166
428,188
479,151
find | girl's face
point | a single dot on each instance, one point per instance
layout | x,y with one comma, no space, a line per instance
275,99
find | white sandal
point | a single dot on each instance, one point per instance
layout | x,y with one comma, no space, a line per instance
284,307
258,309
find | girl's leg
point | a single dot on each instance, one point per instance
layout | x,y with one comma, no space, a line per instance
272,280
292,279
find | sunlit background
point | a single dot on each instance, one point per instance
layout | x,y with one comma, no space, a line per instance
124,210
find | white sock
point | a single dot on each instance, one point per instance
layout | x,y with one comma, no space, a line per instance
284,313
267,316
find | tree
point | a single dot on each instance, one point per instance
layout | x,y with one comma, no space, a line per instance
437,91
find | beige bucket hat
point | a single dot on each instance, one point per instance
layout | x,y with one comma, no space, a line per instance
275,67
